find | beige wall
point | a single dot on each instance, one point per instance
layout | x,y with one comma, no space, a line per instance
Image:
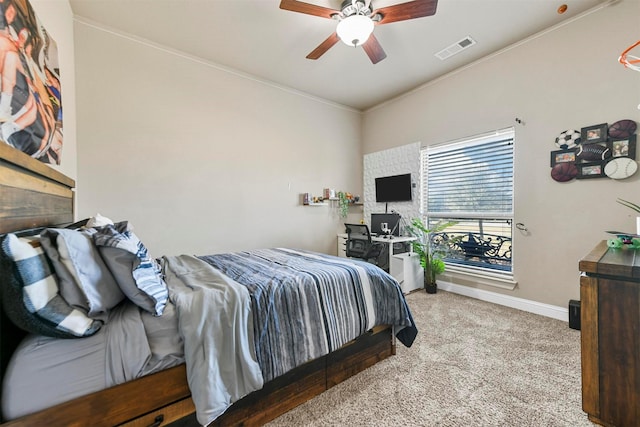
566,78
203,160
57,18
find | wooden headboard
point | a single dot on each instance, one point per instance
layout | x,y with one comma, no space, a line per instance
32,196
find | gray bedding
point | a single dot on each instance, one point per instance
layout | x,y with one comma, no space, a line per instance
236,319
214,315
210,311
70,368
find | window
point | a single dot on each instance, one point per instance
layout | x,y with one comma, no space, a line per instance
471,182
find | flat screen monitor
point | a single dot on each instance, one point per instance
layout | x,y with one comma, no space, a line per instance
392,220
396,188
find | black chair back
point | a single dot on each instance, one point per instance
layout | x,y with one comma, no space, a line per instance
359,244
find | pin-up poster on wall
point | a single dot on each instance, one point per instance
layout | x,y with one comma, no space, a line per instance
30,95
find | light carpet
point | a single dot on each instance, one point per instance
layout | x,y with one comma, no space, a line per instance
473,364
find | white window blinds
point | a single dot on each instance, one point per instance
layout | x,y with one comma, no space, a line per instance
469,179
470,182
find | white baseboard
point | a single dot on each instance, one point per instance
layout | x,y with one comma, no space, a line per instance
535,307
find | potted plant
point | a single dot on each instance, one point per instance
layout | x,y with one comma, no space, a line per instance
343,203
430,257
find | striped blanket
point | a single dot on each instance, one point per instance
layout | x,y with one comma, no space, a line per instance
306,305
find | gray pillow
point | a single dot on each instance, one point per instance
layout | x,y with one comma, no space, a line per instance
137,274
30,293
85,281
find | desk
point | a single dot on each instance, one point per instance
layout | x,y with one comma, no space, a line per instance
404,267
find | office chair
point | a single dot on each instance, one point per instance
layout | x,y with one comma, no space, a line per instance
359,244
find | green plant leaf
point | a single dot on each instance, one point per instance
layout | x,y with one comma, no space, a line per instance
343,204
629,204
430,258
438,266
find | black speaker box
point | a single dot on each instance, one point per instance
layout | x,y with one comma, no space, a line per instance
574,314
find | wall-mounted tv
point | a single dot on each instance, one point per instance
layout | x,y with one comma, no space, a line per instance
396,188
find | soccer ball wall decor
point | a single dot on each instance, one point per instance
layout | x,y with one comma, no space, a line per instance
568,139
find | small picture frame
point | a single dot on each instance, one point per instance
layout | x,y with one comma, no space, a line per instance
594,134
563,156
623,147
590,170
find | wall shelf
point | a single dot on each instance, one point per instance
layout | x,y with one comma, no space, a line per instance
332,201
329,204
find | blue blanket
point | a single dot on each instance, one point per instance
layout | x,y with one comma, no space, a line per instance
305,304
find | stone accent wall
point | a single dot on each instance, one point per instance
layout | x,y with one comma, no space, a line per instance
394,161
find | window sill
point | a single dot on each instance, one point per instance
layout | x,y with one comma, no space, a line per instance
456,274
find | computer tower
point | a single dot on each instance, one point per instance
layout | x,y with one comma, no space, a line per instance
574,314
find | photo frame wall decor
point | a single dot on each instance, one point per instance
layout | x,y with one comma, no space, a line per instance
563,156
594,134
596,151
590,170
623,147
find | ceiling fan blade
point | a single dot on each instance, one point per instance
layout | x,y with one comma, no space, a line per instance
404,11
324,46
374,50
309,9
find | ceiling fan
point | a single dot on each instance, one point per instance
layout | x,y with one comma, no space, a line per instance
356,19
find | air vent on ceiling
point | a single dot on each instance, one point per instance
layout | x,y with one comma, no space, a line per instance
455,48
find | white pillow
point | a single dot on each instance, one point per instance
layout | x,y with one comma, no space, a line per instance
98,221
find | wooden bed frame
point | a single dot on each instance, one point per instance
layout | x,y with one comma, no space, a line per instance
33,195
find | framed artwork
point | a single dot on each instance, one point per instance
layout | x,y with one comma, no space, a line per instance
623,147
563,156
590,170
31,98
593,134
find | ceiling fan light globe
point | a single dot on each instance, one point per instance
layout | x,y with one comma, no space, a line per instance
354,30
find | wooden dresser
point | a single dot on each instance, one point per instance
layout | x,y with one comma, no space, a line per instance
610,335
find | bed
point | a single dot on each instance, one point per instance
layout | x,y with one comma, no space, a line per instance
282,368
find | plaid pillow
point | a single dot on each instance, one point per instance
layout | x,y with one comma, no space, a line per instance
31,296
138,275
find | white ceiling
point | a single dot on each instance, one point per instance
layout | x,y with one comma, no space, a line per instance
258,38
